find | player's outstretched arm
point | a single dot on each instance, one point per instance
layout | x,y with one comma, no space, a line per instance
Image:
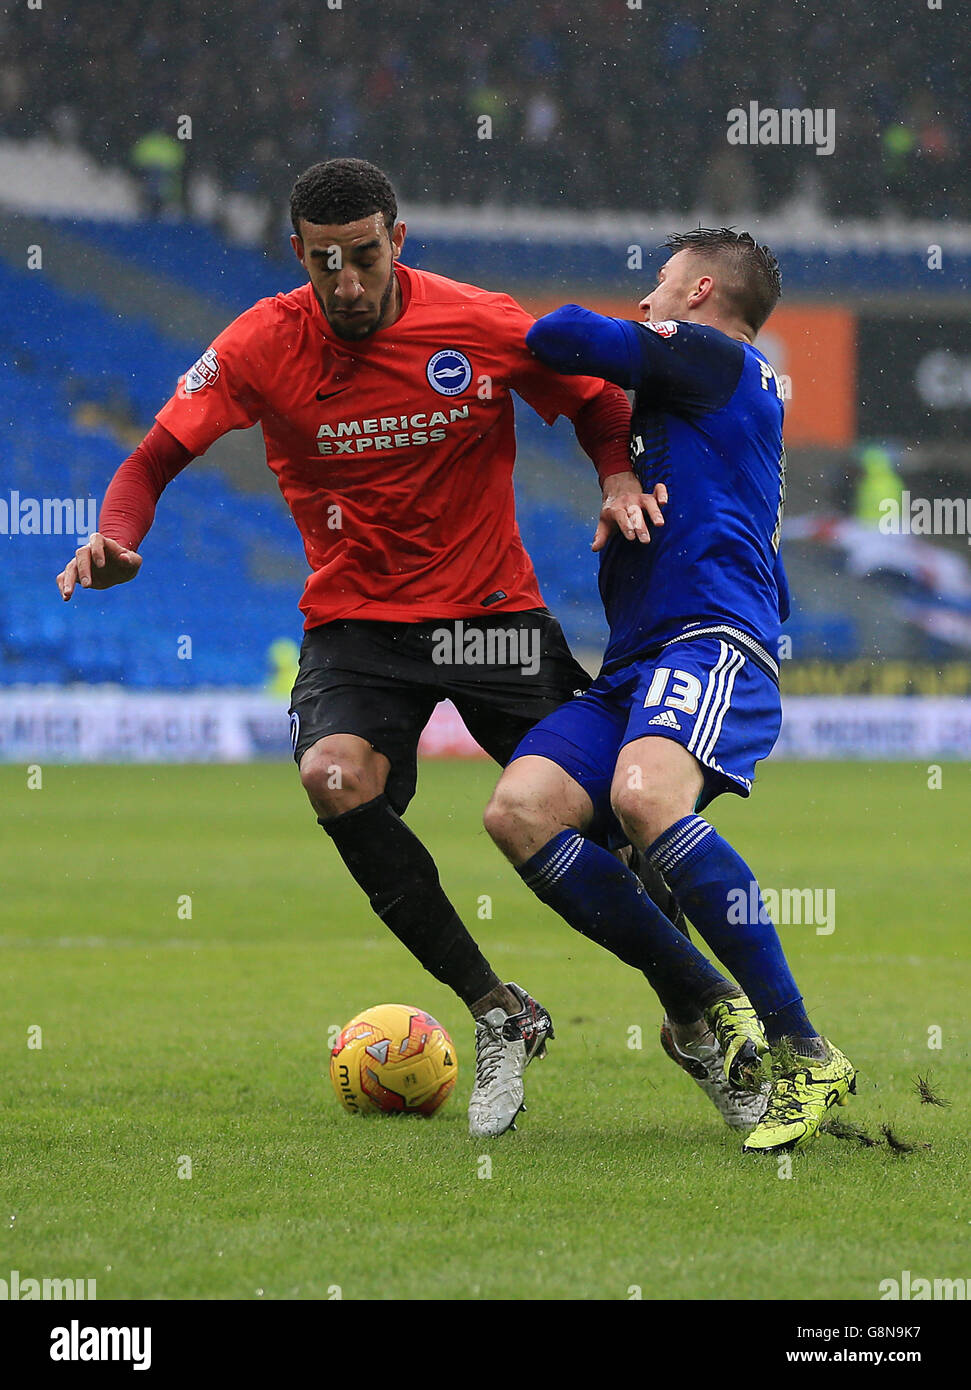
602,419
691,368
578,342
110,556
99,564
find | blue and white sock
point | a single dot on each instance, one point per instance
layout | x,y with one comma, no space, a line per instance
708,877
600,897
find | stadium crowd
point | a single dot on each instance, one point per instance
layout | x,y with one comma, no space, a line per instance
606,104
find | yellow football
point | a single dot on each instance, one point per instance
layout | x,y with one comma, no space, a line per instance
395,1059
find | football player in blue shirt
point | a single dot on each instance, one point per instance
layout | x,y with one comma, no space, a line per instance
687,700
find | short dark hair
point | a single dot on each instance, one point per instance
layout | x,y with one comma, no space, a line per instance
754,282
341,191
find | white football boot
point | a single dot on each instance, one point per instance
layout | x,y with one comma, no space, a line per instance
505,1044
704,1060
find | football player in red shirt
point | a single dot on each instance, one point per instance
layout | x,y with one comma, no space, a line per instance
384,397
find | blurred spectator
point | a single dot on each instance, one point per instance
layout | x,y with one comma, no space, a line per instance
158,159
729,187
877,484
939,174
899,163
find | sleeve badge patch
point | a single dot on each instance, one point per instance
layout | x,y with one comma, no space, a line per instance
202,373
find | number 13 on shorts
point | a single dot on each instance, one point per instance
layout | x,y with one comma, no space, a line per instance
685,690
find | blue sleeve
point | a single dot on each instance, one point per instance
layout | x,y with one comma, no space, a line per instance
686,368
579,342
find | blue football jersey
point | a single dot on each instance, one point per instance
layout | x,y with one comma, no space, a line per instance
707,422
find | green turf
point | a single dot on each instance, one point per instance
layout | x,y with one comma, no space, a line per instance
166,1036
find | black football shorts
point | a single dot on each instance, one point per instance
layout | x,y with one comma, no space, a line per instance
381,681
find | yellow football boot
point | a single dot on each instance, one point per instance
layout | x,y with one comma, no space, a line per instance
801,1095
742,1039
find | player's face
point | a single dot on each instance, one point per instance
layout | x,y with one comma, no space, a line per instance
677,282
351,268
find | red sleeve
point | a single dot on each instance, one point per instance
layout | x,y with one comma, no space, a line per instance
549,393
603,430
129,506
219,393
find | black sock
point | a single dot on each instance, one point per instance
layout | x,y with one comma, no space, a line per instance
659,892
400,879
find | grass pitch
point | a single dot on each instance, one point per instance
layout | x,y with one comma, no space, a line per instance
167,1037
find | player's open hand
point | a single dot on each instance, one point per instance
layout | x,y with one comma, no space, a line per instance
627,509
99,564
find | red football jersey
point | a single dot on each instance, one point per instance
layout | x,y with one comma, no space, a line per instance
395,454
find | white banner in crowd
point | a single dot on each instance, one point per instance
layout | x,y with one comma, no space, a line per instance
874,726
112,726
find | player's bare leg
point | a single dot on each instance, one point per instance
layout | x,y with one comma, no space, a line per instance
534,801
345,779
342,772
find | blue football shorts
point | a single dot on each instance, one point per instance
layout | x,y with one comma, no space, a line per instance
712,697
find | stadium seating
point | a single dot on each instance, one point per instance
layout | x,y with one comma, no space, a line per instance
195,255
60,352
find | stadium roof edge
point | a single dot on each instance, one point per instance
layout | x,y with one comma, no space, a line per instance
804,231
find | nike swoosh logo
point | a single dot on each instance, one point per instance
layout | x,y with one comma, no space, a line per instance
326,395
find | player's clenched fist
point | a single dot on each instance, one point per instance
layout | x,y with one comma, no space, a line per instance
99,564
625,507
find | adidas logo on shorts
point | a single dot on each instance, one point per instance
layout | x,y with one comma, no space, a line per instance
667,719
